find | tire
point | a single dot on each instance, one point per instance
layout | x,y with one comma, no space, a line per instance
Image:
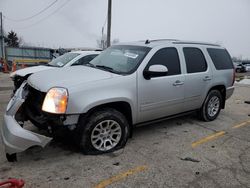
11,157
89,128
208,112
238,70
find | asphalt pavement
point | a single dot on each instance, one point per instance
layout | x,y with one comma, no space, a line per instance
182,152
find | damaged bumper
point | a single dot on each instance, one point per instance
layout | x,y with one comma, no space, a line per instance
15,138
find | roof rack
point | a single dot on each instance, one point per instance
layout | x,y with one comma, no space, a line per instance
201,43
156,40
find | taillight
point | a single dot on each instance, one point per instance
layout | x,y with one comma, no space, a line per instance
233,77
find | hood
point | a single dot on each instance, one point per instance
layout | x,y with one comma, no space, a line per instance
30,70
67,77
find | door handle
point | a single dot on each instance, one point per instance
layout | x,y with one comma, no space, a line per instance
207,78
178,83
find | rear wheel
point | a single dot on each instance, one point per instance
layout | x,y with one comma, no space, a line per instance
211,106
104,131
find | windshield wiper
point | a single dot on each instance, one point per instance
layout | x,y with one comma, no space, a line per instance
110,69
89,64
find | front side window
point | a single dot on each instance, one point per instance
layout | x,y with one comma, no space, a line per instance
63,59
120,59
195,60
220,58
167,57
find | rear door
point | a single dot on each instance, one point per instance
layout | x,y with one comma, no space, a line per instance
198,77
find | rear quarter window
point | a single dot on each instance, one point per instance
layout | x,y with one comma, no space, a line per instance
220,58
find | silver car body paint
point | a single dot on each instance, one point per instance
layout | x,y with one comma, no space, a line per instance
16,138
149,99
30,70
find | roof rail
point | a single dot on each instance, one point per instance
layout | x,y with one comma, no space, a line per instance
201,43
156,40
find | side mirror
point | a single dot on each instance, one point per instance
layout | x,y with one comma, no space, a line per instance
155,71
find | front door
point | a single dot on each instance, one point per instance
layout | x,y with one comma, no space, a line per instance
161,96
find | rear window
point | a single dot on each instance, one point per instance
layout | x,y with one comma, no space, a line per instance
220,58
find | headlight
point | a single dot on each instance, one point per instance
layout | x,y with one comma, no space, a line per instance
56,101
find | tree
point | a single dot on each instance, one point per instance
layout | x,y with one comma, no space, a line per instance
12,39
237,59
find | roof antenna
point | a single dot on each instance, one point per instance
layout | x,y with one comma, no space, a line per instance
147,41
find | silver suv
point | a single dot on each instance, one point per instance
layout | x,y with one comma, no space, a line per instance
126,85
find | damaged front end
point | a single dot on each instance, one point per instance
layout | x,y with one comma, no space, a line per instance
15,137
26,105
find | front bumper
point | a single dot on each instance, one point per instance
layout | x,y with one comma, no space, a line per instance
15,138
229,92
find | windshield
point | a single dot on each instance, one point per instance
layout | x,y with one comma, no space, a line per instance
63,59
120,59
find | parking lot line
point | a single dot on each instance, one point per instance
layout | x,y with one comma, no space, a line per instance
241,124
121,176
208,138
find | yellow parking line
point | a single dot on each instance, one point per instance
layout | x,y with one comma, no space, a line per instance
121,176
208,138
241,124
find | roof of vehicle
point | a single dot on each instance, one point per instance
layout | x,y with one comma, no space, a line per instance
86,52
154,43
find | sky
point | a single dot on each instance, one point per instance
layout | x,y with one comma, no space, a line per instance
78,23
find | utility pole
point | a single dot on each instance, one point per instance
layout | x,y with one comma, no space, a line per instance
109,22
2,37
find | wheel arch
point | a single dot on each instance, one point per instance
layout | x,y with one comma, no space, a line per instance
122,106
222,90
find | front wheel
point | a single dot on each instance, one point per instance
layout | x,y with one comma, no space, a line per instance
104,131
211,106
11,157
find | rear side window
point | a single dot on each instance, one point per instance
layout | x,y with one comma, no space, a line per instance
220,58
167,57
195,60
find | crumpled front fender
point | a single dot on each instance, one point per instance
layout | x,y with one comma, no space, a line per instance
15,138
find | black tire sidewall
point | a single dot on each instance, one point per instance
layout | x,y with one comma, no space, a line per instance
205,114
87,126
